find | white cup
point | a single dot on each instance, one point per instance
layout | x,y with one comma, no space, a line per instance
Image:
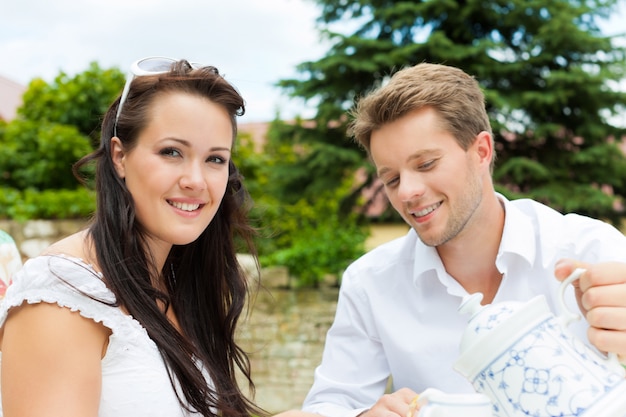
435,403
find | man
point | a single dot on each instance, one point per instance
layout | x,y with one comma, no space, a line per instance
428,134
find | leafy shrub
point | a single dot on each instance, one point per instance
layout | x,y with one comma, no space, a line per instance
307,232
79,101
46,204
40,155
310,239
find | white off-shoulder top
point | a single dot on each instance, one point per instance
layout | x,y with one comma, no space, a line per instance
135,380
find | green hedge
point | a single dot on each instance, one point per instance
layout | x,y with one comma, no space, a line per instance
47,204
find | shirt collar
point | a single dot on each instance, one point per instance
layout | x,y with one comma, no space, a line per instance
518,236
518,240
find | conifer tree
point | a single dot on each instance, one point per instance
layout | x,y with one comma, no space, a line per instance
550,76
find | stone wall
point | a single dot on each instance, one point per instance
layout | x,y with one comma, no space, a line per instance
284,336
33,236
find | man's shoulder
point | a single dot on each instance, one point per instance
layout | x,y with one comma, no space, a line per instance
533,207
556,229
395,253
547,215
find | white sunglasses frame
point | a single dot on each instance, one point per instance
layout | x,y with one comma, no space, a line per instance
137,71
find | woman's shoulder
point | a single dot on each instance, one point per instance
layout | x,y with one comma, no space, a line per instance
68,261
77,246
60,279
60,272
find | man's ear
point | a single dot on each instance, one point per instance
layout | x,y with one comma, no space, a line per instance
484,147
118,156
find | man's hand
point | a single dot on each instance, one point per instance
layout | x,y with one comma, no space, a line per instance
398,404
601,296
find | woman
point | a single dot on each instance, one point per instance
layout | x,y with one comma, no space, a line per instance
136,315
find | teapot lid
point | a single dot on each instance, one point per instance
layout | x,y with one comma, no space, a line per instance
484,319
492,327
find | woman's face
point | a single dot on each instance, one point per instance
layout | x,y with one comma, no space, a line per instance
178,171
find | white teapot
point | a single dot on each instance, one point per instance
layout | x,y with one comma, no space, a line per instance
529,364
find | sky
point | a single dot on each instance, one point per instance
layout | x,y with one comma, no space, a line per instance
254,43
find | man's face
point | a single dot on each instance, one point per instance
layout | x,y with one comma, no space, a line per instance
433,183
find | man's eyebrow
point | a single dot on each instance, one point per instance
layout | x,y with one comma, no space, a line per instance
416,155
382,171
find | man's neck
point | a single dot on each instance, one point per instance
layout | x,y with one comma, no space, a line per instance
470,258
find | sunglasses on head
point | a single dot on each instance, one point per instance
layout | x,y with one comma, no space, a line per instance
145,66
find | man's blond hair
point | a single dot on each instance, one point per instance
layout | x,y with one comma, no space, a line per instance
453,94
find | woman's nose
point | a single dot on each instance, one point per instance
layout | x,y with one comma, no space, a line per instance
192,177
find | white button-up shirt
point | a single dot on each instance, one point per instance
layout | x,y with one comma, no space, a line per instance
397,314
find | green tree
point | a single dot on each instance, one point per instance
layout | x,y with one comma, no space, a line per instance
80,101
40,155
548,73
57,124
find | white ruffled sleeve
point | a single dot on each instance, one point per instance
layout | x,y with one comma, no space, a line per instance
63,280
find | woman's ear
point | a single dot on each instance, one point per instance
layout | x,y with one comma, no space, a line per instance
118,156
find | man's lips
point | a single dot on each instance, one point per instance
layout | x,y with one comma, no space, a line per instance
425,211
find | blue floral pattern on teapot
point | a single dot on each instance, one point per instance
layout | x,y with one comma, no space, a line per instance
528,363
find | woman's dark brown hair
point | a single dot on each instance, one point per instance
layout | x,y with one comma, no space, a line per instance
206,286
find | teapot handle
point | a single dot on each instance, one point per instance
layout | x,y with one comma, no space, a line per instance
568,315
426,412
424,399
